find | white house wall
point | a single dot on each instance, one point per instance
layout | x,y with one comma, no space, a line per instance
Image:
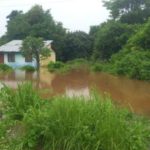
19,61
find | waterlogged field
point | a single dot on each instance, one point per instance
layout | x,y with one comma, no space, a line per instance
29,122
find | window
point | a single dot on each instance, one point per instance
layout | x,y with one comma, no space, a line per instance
28,59
11,57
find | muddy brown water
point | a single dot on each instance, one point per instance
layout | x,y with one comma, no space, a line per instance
133,94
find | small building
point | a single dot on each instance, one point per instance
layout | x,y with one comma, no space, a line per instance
11,55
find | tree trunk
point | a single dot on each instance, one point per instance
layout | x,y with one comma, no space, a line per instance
38,61
38,69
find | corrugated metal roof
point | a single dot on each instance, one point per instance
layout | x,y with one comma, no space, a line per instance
15,45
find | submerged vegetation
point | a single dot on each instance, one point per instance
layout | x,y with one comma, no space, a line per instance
68,66
63,123
28,68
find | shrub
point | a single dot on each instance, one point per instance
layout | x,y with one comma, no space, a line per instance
77,64
55,66
4,67
97,67
135,64
28,68
68,66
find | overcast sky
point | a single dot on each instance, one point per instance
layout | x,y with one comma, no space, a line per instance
74,14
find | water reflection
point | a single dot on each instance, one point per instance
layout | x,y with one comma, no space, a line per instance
18,76
72,92
132,93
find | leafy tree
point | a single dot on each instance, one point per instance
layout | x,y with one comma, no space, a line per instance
38,23
129,11
140,40
134,59
13,14
93,33
3,40
34,47
111,37
134,64
76,45
17,27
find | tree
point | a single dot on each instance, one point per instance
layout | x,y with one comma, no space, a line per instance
3,40
18,27
93,34
141,39
34,47
76,45
129,11
37,23
111,37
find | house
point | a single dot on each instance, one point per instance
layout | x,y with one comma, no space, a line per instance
10,54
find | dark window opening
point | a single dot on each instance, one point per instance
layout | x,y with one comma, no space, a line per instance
28,59
11,57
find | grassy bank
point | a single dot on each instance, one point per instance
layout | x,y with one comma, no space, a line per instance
63,123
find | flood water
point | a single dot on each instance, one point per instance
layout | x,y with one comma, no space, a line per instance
133,94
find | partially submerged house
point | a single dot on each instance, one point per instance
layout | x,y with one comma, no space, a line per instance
11,55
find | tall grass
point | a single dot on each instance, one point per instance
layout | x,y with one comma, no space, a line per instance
64,123
17,103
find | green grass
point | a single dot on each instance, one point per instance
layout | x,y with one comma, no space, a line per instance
5,68
63,123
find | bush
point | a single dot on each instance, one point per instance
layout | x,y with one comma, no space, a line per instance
55,66
97,67
68,66
28,68
72,123
4,67
135,64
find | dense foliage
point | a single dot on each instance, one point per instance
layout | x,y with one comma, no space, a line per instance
135,64
140,40
76,45
36,22
111,37
122,45
68,66
134,59
67,123
129,11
